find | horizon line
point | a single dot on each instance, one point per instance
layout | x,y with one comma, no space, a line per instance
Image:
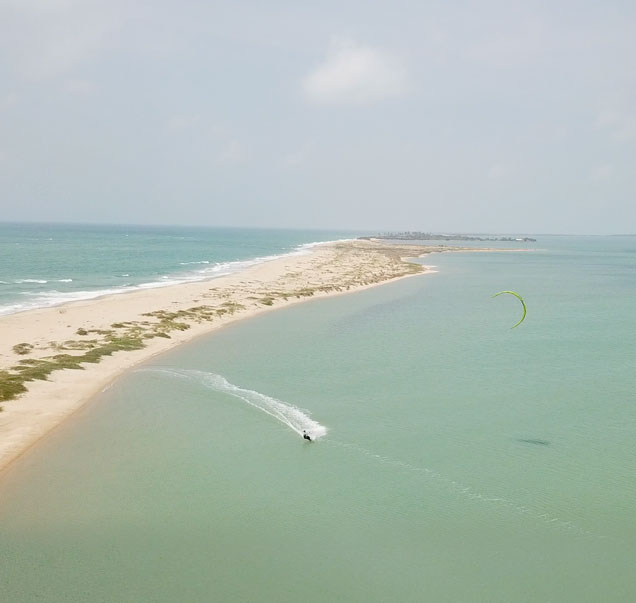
327,229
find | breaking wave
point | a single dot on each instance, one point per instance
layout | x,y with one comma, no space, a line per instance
39,281
198,271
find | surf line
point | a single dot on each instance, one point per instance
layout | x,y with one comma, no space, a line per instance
293,417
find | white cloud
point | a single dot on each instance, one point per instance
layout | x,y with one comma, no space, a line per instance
354,74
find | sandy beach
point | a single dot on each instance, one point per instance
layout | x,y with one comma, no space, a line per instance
53,360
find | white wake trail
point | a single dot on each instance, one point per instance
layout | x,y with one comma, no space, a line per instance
467,491
295,418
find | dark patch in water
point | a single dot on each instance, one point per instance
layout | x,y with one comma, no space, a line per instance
532,441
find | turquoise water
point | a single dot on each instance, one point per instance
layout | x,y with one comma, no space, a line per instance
462,461
48,264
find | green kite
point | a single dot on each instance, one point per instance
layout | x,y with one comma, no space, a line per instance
522,303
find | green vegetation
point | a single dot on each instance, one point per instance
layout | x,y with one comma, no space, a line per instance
31,369
123,336
39,369
232,307
23,348
100,331
305,292
171,321
71,344
11,386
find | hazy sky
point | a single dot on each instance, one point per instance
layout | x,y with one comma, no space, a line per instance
471,116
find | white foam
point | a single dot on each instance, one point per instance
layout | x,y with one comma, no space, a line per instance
20,281
65,280
295,418
465,490
47,299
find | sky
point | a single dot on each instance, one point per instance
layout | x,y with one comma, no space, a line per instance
465,116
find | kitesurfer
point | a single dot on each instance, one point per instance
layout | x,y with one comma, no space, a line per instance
306,436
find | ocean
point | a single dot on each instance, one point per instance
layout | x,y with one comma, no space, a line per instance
48,264
456,459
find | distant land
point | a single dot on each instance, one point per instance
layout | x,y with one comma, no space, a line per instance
427,236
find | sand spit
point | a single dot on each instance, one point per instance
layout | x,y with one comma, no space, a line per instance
53,360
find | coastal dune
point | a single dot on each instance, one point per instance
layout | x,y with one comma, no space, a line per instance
53,360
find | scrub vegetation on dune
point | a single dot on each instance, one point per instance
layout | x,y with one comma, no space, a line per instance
121,337
22,348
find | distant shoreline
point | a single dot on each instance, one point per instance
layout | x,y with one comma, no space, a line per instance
427,236
53,360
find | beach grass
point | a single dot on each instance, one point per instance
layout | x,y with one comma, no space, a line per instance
121,337
22,348
11,386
